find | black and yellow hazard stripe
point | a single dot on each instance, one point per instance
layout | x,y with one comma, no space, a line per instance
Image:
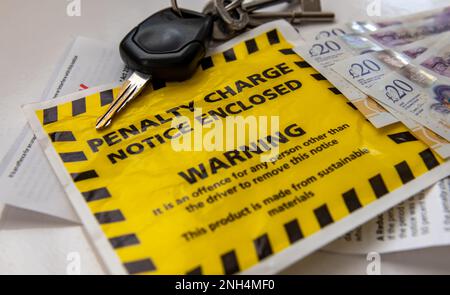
252,46
402,137
71,157
230,262
303,64
62,136
140,266
79,106
124,241
106,97
293,231
85,175
96,194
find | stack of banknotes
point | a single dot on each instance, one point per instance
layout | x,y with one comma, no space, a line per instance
392,70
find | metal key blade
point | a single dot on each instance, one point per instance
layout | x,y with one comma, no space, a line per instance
294,17
250,6
129,91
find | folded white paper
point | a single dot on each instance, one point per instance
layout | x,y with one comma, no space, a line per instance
26,177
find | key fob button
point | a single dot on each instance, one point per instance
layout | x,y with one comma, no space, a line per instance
157,39
167,46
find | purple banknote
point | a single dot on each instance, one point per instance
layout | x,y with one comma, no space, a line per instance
410,32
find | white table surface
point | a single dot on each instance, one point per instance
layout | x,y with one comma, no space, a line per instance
34,35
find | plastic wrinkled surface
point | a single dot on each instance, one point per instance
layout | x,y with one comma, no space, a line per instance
168,46
332,165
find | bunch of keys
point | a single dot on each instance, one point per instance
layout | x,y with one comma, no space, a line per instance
170,44
236,16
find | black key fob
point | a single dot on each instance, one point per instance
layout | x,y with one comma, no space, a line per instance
168,46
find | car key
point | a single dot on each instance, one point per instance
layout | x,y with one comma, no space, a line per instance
166,46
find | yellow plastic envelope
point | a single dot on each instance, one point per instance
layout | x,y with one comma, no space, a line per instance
151,207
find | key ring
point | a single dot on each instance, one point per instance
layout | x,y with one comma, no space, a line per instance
235,24
176,8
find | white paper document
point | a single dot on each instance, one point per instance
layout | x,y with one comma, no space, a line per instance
26,177
422,221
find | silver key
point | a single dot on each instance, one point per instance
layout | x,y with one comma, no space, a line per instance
221,30
254,5
294,17
241,10
129,91
236,16
168,56
237,22
233,17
